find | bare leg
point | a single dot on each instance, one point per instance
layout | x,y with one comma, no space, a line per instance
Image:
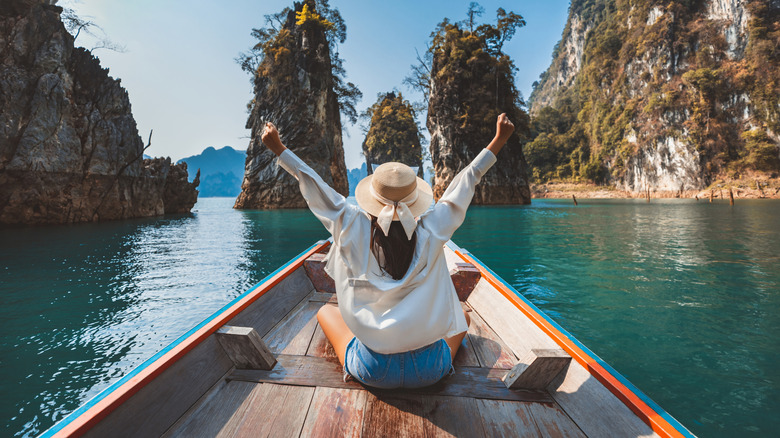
335,329
455,341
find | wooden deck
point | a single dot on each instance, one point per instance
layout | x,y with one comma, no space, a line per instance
305,395
202,394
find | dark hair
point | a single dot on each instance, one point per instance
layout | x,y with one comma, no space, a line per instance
397,249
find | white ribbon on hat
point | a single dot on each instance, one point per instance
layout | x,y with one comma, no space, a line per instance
392,208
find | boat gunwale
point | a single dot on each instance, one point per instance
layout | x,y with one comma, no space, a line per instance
106,401
640,404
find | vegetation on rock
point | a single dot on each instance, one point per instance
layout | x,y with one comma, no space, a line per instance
469,81
392,133
656,70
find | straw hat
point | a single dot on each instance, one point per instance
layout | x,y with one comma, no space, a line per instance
394,192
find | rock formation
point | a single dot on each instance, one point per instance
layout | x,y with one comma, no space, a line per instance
69,146
296,89
471,83
655,96
393,134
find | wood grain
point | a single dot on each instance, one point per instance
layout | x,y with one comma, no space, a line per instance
388,415
219,415
316,371
593,407
451,417
275,411
537,369
320,346
552,421
335,412
272,307
245,348
293,334
507,419
159,404
490,350
507,321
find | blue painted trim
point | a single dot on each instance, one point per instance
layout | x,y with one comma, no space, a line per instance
103,394
653,405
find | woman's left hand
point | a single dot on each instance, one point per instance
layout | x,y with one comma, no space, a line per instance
270,138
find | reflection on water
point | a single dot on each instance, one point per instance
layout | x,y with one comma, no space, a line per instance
680,297
86,303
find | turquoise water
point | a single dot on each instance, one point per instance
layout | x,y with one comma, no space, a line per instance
680,297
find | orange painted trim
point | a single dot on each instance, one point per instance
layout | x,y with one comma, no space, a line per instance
102,409
631,400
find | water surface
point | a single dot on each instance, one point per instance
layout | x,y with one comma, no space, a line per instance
680,297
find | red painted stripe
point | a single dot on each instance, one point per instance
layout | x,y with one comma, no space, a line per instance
98,412
639,407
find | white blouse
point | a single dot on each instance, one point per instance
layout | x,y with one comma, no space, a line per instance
391,316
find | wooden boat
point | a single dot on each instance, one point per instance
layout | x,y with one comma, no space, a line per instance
203,385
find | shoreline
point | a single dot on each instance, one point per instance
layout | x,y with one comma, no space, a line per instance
557,190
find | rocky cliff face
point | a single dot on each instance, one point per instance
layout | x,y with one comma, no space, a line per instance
470,86
294,89
666,96
393,134
69,146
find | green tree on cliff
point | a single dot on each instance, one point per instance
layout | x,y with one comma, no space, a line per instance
392,133
469,81
272,58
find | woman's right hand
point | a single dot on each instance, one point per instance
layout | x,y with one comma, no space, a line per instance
270,138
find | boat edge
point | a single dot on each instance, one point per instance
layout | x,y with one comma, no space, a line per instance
640,404
101,405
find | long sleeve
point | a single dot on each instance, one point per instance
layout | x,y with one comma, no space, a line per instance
450,210
329,206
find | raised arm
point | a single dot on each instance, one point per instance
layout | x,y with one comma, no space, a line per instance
450,210
329,206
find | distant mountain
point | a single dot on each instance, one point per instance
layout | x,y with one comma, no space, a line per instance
354,176
221,171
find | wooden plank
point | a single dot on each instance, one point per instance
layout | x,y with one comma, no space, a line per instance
320,346
335,412
324,297
390,415
245,348
275,411
507,321
316,371
272,307
293,334
315,269
552,421
593,407
537,369
507,419
466,356
451,417
219,415
490,350
159,404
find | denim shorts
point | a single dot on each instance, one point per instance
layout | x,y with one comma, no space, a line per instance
410,369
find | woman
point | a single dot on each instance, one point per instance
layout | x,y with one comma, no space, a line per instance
398,322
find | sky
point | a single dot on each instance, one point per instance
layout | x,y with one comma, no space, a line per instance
179,65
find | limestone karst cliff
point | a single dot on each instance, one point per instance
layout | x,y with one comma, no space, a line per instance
662,96
69,146
471,83
393,134
298,87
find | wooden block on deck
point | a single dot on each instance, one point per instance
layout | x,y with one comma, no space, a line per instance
315,269
537,369
465,277
245,348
